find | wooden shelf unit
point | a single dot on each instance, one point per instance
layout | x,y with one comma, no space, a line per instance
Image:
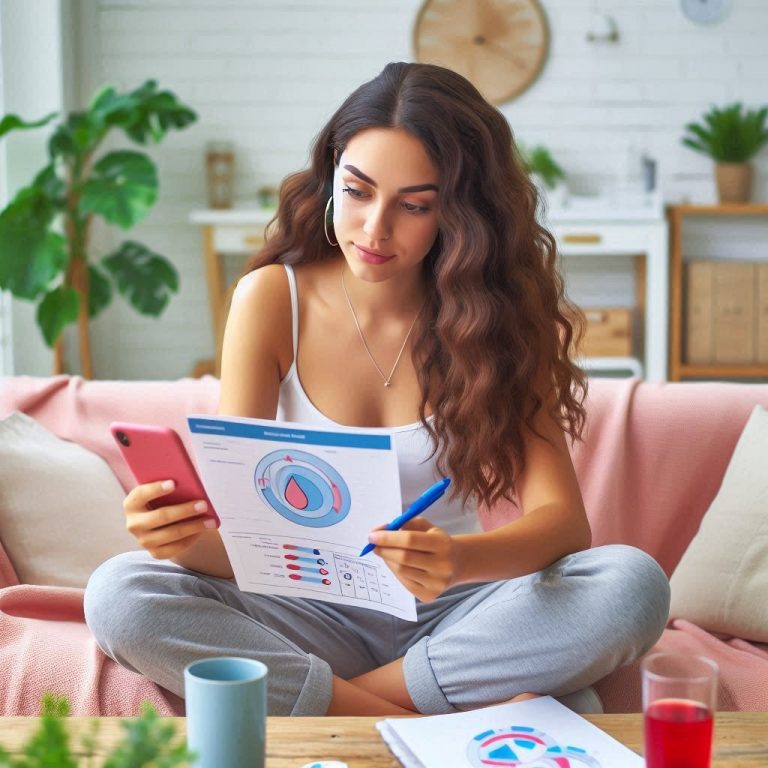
678,368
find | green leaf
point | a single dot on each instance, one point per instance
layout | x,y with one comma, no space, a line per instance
148,742
62,143
153,114
57,310
77,137
14,122
52,186
31,255
144,278
99,291
122,188
729,134
107,102
49,745
539,160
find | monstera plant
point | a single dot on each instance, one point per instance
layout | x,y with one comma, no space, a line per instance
45,249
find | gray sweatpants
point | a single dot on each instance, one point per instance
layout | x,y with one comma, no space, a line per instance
554,632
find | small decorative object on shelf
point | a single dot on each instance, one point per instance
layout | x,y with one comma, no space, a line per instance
602,29
220,173
731,137
267,197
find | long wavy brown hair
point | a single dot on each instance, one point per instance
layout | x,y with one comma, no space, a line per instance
496,330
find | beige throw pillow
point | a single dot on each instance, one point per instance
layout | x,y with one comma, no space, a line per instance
60,506
721,583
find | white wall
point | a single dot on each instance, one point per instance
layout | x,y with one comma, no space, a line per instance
266,74
32,86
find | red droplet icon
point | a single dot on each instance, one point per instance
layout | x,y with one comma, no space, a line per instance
294,495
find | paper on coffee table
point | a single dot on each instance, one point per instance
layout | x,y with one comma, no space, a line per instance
538,733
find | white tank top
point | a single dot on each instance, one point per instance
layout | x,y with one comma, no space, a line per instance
412,443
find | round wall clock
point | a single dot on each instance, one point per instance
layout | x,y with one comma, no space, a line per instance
498,45
706,11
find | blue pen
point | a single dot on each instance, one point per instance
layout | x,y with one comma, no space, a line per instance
427,499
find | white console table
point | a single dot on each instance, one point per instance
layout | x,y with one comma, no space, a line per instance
236,231
583,228
593,227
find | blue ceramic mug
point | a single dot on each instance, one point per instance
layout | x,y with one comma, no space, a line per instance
226,703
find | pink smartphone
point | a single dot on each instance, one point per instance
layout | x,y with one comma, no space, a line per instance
157,453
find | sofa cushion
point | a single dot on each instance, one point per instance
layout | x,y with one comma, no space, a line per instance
60,506
721,582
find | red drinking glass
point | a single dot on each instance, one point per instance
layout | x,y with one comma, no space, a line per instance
679,701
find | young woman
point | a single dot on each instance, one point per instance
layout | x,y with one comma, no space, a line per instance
407,286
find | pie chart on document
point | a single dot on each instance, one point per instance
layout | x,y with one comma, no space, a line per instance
525,747
303,488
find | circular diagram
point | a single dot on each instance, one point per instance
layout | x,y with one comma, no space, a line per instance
302,488
524,747
514,746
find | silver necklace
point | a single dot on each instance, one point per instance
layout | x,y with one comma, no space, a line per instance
386,379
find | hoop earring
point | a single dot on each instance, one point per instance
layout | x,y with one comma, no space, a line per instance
325,221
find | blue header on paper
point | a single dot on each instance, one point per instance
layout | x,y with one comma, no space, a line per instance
281,434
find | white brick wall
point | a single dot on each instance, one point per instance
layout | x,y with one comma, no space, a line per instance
266,75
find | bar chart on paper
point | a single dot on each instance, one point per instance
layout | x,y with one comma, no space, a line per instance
275,565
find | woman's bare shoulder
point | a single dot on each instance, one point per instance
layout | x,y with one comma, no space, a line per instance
265,284
259,320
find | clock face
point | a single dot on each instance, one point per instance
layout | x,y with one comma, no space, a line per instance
706,11
498,45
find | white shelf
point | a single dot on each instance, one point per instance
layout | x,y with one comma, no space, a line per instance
605,364
242,216
623,206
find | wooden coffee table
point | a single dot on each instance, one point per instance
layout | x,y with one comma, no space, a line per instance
741,738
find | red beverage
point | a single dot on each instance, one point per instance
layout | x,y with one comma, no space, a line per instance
678,734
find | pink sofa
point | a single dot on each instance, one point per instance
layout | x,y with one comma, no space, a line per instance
651,462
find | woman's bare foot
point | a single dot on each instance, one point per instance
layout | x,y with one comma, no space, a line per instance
522,697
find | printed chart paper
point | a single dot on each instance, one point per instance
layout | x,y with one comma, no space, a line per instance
538,733
296,505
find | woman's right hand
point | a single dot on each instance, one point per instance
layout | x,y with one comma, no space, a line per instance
165,532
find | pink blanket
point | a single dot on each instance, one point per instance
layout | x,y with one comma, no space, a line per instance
33,621
743,671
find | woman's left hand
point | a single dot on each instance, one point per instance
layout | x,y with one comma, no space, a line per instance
423,557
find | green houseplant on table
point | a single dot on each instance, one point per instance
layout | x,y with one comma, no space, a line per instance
45,230
731,136
544,170
539,161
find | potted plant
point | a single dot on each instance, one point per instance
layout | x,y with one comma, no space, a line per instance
149,742
45,250
731,136
544,170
